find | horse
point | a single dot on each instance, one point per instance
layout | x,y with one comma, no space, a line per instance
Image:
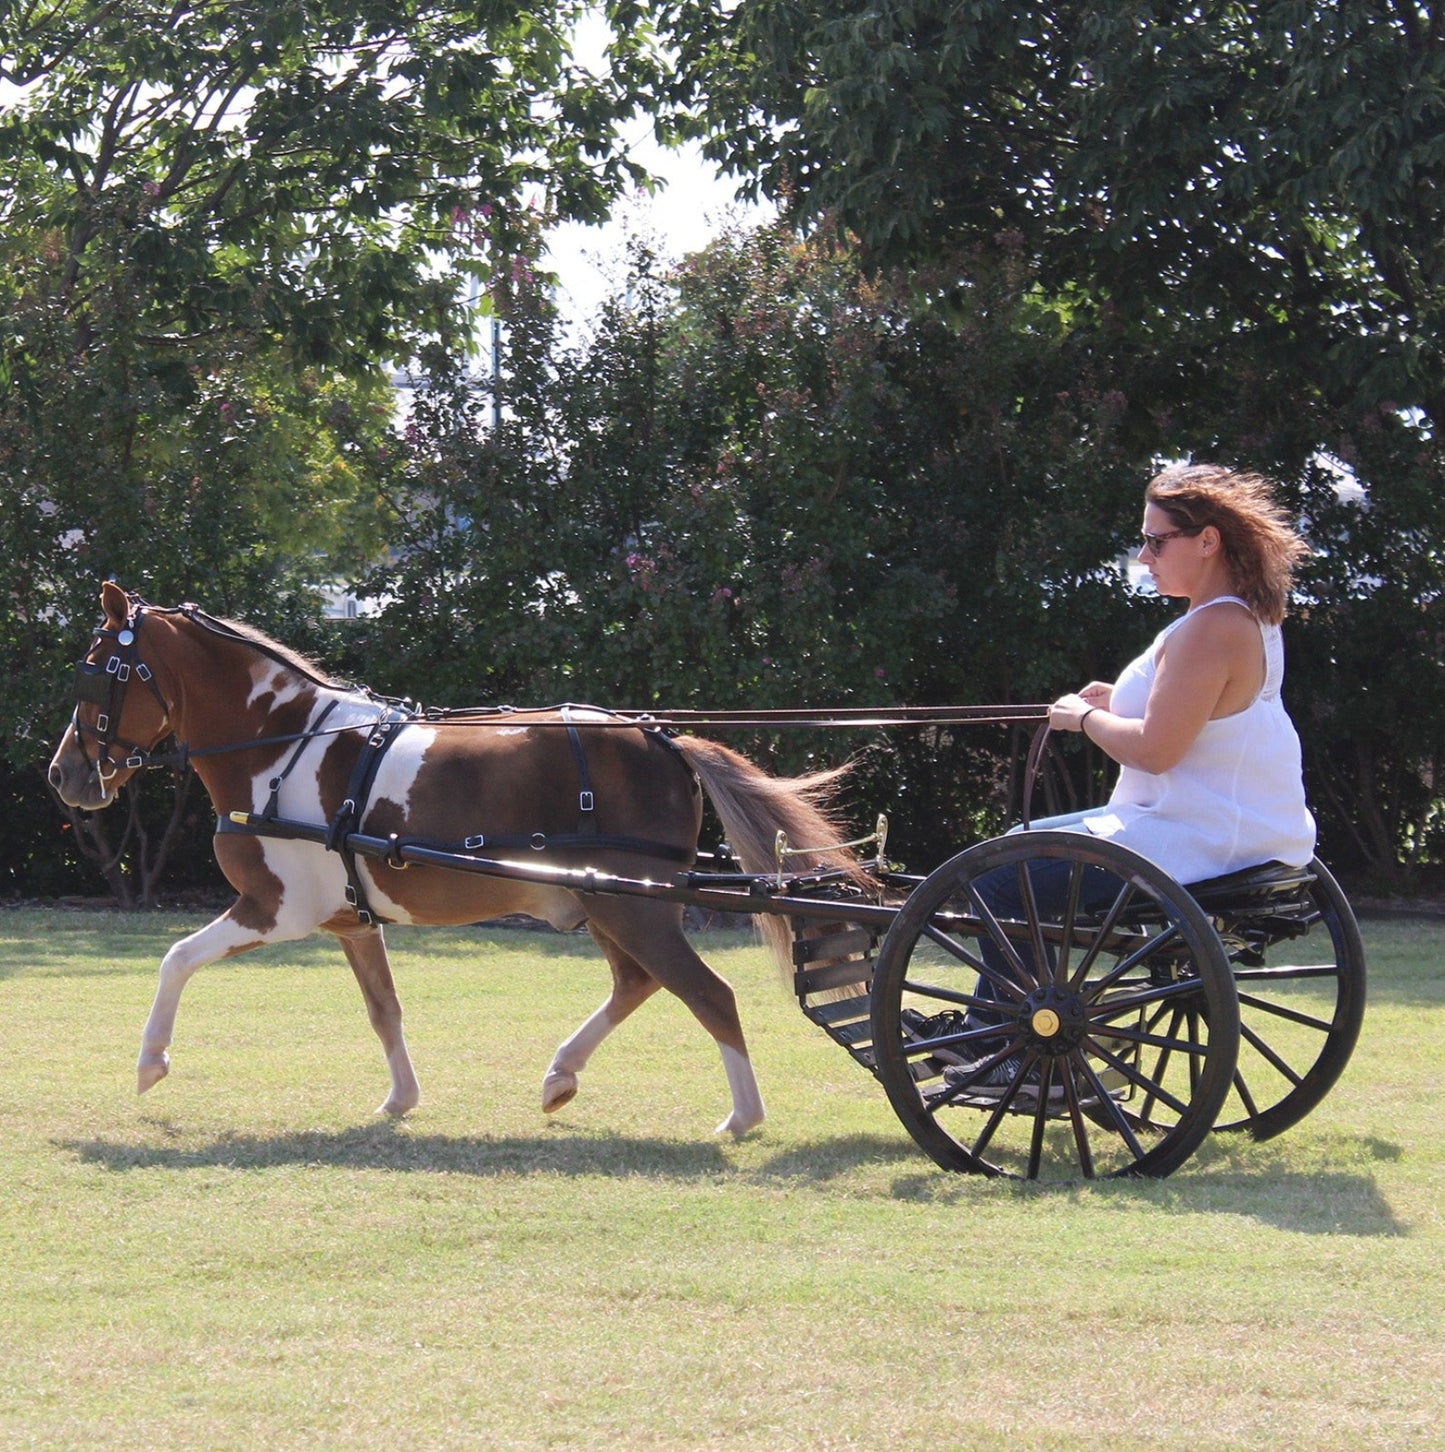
270,735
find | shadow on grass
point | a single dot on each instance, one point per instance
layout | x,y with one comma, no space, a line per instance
1229,1174
386,1146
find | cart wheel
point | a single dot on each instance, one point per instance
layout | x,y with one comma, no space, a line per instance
1123,1050
1300,976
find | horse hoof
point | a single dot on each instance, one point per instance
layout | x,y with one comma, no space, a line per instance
558,1088
151,1070
395,1109
738,1125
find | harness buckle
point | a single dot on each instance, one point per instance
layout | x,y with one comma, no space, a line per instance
471,844
585,802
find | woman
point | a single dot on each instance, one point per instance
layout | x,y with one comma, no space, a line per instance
1210,778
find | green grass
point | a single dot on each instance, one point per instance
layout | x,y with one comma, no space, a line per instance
246,1258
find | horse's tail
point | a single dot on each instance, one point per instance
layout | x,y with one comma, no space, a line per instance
754,807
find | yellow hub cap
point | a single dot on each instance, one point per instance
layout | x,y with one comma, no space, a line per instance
1045,1023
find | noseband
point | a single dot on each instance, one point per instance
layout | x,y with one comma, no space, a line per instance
104,686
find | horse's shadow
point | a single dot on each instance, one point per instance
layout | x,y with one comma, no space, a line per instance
384,1145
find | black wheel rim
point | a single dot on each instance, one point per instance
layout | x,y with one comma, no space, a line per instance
1300,976
1124,1042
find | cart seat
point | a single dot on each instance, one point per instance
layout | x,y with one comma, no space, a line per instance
1251,887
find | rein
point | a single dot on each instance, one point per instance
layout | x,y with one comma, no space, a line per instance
840,718
105,686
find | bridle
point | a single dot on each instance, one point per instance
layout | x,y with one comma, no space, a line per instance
104,685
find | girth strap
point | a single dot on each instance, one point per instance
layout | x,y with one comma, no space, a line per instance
353,808
273,802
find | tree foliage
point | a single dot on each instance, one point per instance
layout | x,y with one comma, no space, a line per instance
770,481
1207,170
289,173
220,226
1237,210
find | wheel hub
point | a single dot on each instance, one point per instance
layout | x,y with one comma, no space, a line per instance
1054,1020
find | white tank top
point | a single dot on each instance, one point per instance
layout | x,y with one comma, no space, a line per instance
1237,797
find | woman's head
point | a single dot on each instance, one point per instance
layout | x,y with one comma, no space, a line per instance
1261,549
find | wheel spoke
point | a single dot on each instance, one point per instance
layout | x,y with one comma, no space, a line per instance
1154,1087
1257,1043
1004,943
1080,1128
953,946
1306,1020
1035,927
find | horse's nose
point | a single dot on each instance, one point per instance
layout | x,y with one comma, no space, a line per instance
56,776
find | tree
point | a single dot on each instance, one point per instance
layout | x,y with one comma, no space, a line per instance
1213,170
1235,209
770,481
220,225
290,173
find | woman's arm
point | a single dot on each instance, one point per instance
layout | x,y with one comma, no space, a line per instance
1211,666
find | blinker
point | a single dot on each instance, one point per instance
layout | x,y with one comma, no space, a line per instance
92,683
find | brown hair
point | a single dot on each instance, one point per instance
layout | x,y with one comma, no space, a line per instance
1260,545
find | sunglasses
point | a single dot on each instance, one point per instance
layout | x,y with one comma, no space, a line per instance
1155,542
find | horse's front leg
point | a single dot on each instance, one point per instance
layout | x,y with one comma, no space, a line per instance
366,952
223,938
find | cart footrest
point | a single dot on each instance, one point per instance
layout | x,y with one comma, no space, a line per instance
833,978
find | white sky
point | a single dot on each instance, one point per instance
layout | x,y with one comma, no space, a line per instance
681,218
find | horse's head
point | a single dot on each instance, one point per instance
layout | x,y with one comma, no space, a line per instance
120,714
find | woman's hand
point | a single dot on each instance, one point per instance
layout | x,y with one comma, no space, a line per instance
1068,712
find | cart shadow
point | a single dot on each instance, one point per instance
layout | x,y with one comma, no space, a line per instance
1233,1176
387,1146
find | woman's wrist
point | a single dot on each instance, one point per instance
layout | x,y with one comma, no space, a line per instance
1086,716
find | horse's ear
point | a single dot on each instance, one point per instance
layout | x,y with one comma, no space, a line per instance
113,601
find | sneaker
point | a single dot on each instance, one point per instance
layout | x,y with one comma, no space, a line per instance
932,1025
920,1025
995,1083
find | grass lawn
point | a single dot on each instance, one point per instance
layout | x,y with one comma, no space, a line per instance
247,1258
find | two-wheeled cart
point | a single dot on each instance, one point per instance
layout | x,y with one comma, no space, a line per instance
1132,1029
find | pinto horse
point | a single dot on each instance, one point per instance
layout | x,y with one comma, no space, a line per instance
268,733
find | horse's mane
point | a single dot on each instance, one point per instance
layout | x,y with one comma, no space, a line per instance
282,654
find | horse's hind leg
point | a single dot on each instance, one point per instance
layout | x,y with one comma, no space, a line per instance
366,952
651,934
631,986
